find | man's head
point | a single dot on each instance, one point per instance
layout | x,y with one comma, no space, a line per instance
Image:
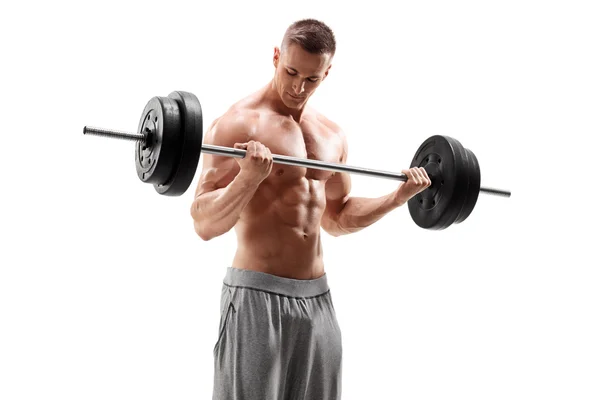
303,61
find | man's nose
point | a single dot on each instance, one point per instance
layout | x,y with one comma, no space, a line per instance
298,86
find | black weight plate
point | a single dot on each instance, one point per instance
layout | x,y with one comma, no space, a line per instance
191,144
435,207
474,186
459,197
155,159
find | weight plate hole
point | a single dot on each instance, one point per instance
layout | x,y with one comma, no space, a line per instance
442,182
433,203
439,160
155,119
148,118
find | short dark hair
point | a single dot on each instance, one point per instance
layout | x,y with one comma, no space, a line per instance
314,36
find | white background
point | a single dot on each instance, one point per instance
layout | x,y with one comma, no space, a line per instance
106,292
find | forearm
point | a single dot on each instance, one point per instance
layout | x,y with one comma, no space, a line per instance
216,212
360,212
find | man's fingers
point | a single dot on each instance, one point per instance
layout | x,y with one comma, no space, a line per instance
253,150
424,178
410,174
417,176
268,155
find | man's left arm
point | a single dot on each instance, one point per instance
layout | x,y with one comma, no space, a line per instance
344,214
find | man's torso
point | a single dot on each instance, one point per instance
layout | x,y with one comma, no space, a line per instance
279,230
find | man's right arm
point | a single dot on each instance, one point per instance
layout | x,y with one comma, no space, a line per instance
223,191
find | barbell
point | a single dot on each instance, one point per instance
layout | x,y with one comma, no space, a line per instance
169,143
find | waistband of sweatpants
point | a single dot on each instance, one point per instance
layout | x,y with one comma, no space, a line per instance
237,277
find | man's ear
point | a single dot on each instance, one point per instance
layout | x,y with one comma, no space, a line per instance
327,72
276,55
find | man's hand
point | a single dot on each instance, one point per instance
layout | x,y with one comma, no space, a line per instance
257,163
418,180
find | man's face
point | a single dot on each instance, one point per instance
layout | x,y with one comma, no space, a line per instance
298,74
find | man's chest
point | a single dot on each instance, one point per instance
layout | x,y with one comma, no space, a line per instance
310,140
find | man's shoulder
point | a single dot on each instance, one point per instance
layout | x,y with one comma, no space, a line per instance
235,125
244,112
238,116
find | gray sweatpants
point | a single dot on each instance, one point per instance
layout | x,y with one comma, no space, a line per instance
278,339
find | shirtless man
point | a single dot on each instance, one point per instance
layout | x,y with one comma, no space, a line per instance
278,336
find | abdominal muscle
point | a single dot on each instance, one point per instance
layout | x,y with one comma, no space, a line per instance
279,231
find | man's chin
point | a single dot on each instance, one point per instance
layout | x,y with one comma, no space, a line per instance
294,105
291,101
